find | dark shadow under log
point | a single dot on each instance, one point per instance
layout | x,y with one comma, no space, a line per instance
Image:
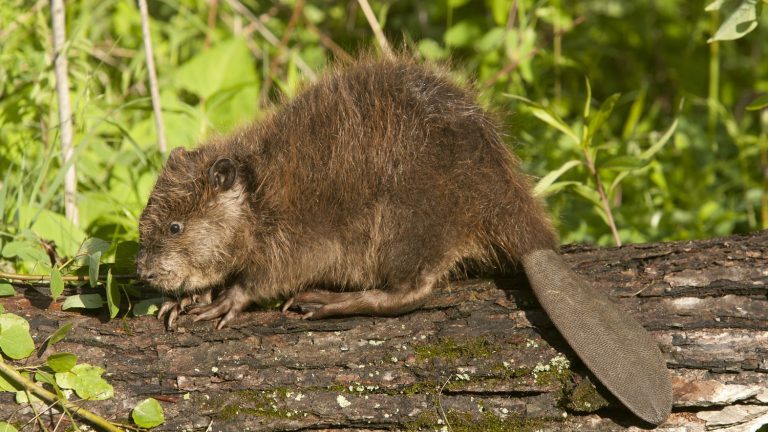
477,357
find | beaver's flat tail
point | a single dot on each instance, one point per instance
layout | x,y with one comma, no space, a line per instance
615,347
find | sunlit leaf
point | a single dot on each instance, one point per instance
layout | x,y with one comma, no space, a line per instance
93,245
462,34
741,18
85,301
148,413
542,187
113,296
623,163
6,289
59,334
15,340
661,142
61,362
57,283
600,117
147,307
86,381
7,427
94,260
759,103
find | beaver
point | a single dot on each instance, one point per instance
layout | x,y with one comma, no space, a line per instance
379,180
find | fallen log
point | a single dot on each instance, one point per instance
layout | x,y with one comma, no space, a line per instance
480,356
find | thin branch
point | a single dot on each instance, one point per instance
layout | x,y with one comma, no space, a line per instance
159,126
297,11
65,110
440,404
327,42
371,17
10,373
269,36
47,278
212,11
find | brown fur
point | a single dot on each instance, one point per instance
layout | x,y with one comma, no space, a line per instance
378,180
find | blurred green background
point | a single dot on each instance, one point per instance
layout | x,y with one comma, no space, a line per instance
675,130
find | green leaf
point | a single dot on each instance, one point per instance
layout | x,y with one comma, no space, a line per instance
52,226
45,377
86,301
86,381
24,397
113,296
741,18
548,116
542,187
759,103
588,101
616,181
147,307
94,260
652,150
634,113
492,40
431,50
226,64
57,283
148,413
125,257
600,117
7,427
26,250
623,163
93,245
462,34
15,341
715,5
500,10
61,362
6,289
59,334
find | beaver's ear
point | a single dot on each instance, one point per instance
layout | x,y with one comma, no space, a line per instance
222,174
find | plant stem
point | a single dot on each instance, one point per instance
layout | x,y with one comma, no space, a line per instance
603,198
371,17
65,110
714,82
159,126
15,377
44,278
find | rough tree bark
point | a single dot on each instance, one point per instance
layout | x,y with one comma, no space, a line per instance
477,357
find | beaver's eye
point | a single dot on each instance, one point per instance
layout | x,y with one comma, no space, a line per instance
176,228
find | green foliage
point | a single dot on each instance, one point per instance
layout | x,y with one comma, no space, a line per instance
668,171
7,427
86,381
741,18
83,301
61,362
60,371
148,413
15,341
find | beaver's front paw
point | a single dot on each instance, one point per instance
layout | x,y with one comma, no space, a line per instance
171,309
226,306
